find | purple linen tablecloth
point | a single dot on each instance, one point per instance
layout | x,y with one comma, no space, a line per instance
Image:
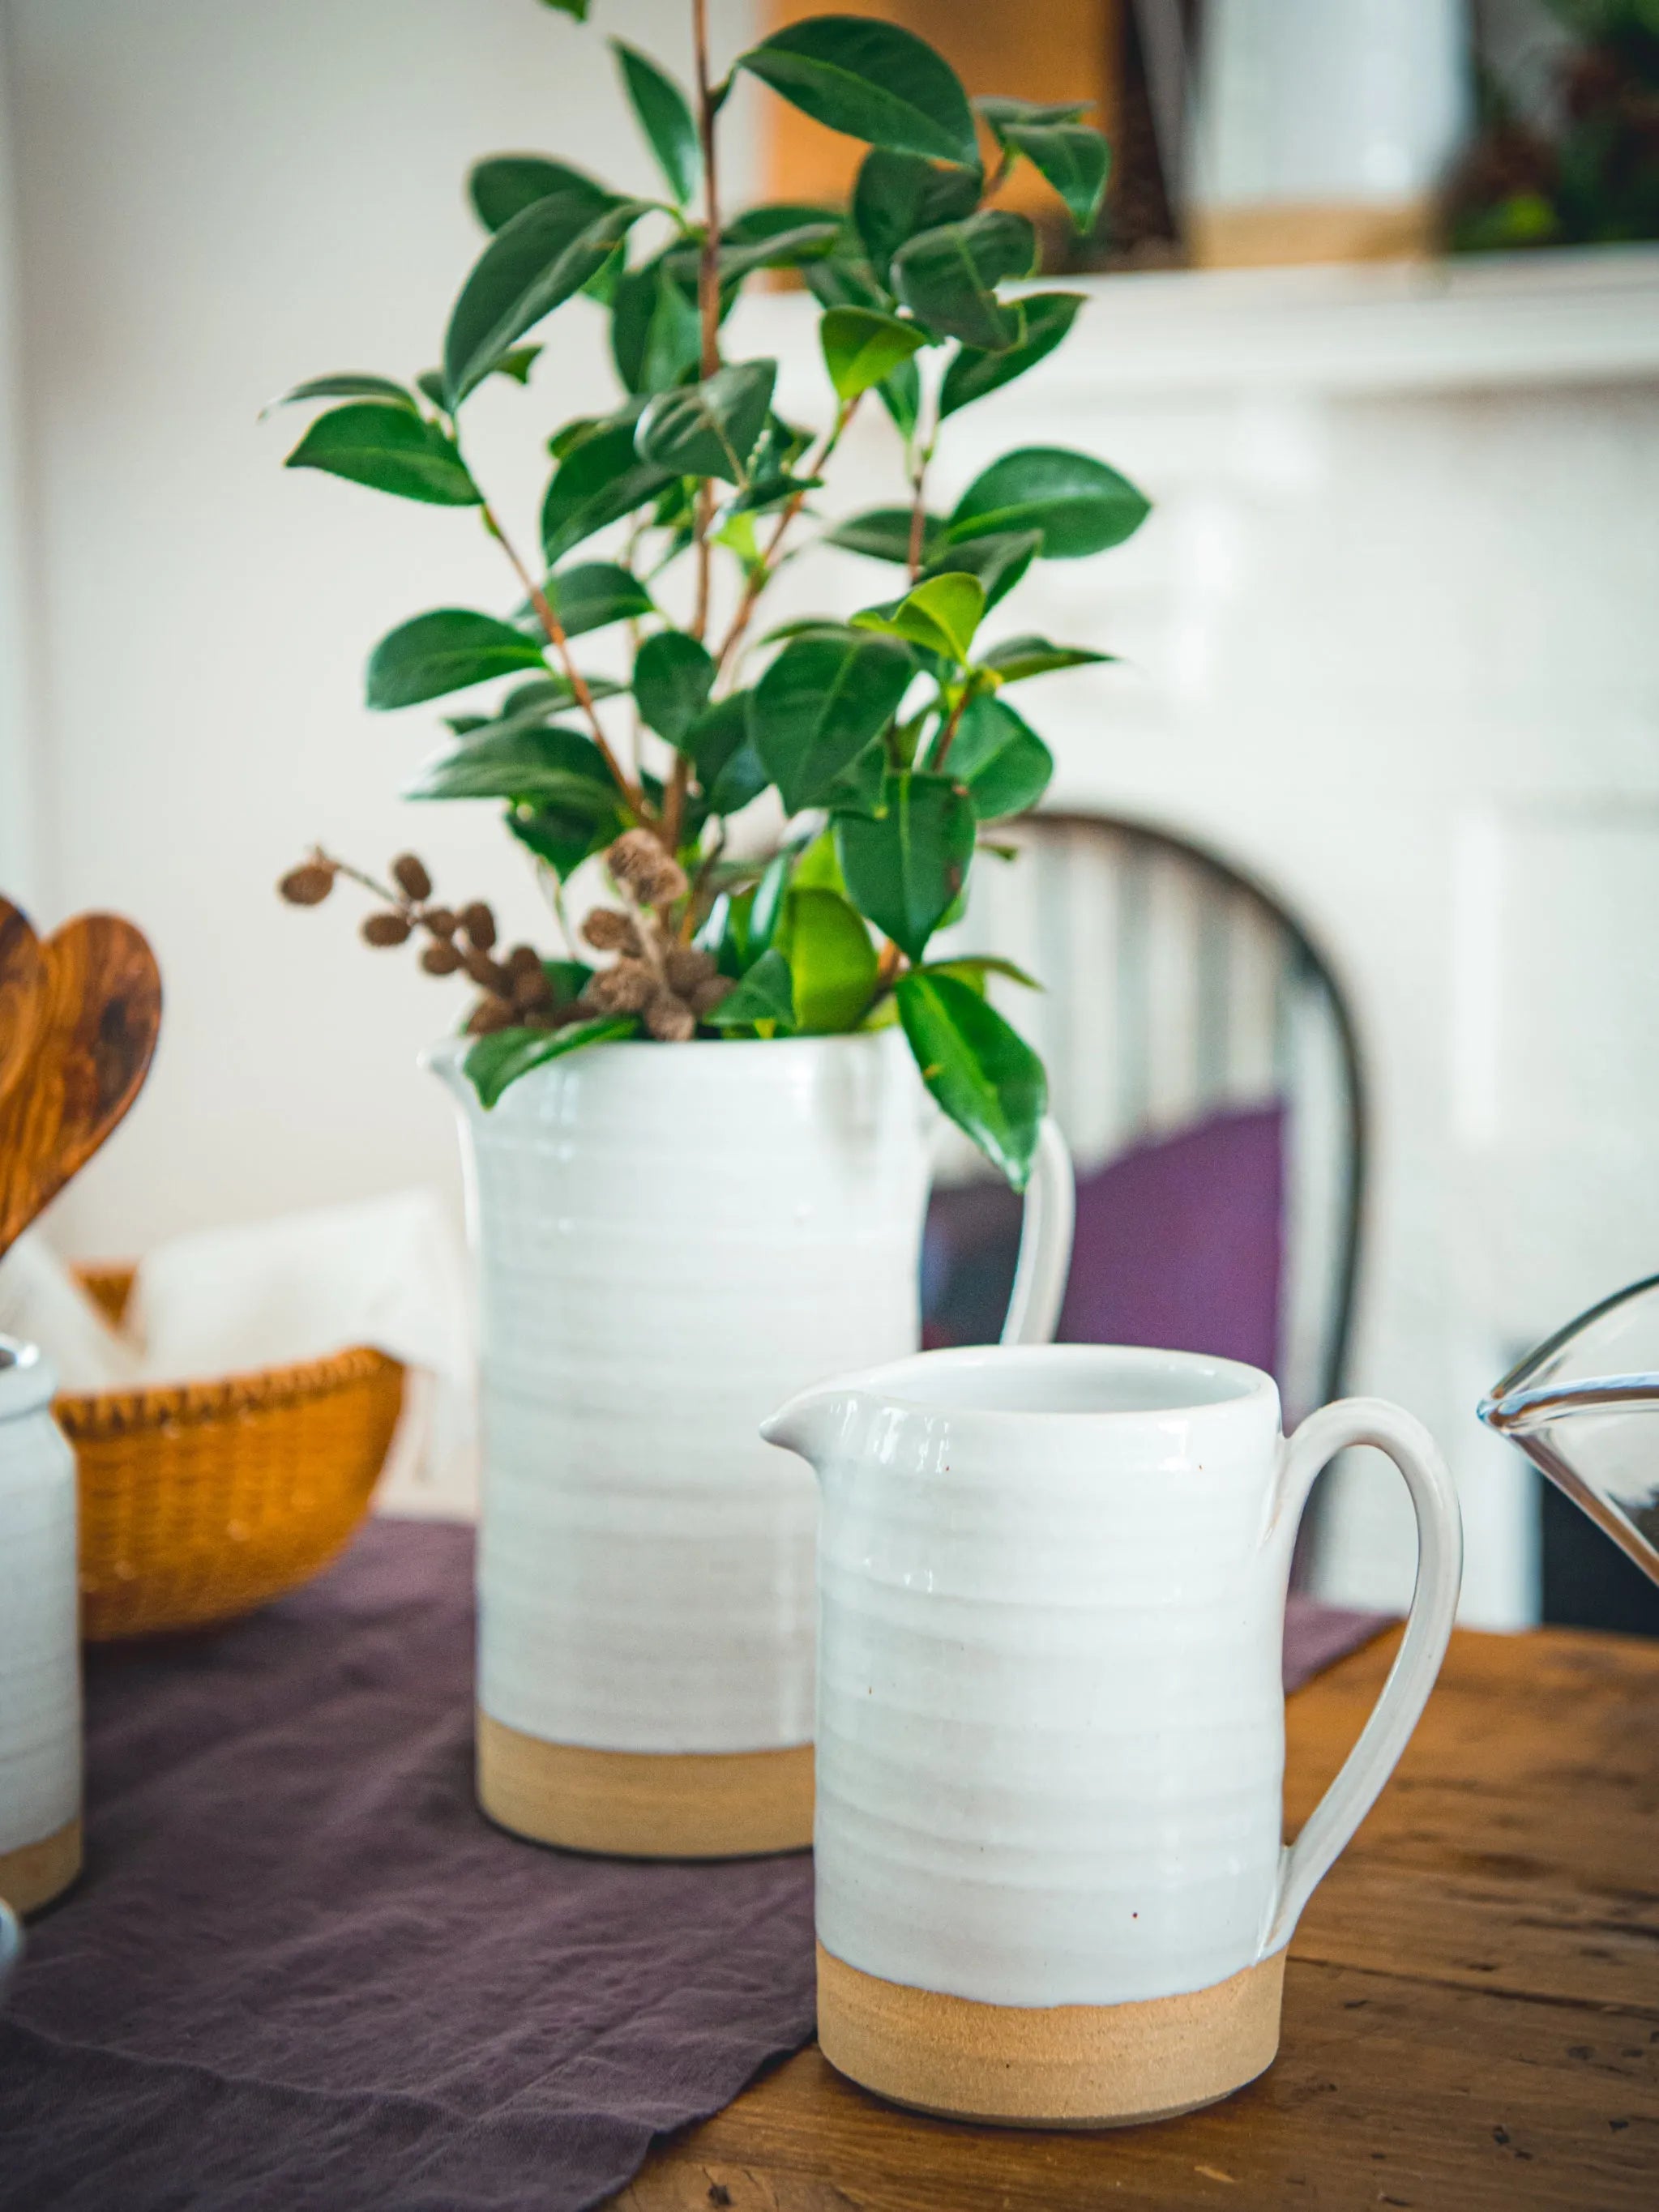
301,1973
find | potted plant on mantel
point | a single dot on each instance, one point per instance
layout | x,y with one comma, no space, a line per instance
699,1161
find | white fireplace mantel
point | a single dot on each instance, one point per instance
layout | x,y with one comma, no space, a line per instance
1388,640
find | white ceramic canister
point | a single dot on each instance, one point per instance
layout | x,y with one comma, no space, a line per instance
670,1239
39,1639
1051,1888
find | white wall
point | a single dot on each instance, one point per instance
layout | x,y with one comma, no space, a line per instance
214,201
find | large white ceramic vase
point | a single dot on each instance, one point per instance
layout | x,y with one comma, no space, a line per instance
670,1240
40,1640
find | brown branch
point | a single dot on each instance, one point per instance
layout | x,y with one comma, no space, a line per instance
918,517
761,576
937,763
561,644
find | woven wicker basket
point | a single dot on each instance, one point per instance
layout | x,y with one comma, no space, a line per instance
203,1500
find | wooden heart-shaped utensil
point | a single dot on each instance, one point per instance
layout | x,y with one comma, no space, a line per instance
22,994
92,1044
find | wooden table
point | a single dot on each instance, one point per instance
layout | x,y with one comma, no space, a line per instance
1471,2010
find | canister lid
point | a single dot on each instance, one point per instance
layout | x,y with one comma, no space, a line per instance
26,1380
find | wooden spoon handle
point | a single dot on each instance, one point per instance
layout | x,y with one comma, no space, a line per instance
22,995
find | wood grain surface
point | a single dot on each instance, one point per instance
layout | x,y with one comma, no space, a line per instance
22,995
91,1054
1471,2007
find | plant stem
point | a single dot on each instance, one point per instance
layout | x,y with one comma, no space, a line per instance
761,576
561,644
937,763
397,898
919,507
709,297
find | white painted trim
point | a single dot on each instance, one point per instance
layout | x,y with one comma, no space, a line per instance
1578,315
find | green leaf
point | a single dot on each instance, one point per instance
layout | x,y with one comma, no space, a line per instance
444,651
1049,317
666,119
533,766
998,561
905,869
390,449
896,195
656,335
551,695
541,257
563,837
862,788
900,393
819,704
1016,657
766,993
860,348
833,964
974,968
843,279
884,533
1073,159
346,385
577,9
498,1061
672,675
506,184
948,276
729,769
1077,503
518,363
871,81
980,1070
711,428
594,593
817,868
1003,762
941,614
789,249
599,479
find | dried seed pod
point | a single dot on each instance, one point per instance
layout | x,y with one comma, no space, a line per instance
308,885
639,863
488,1014
489,974
524,960
385,929
669,1019
704,997
686,966
410,876
439,920
608,931
479,924
627,986
440,959
531,989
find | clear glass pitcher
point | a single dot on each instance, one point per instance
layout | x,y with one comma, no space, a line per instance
1576,1405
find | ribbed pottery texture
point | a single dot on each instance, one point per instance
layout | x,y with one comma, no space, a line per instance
671,1239
200,1501
39,1648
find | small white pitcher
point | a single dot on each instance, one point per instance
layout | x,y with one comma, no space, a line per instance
1051,1727
39,1639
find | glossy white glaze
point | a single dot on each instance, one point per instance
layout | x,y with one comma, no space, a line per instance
671,1239
40,1623
1051,1732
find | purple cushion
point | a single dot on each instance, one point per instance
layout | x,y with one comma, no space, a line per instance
1180,1244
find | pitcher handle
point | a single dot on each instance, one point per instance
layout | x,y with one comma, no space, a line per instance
1045,1242
1303,1865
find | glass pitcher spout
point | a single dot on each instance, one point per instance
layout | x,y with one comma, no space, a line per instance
1581,1407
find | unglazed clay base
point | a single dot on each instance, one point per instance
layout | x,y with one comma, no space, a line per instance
645,1805
1061,2066
33,1877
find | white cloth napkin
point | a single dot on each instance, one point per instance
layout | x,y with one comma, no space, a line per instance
264,1294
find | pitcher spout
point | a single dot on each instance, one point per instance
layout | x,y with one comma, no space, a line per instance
446,1060
810,1423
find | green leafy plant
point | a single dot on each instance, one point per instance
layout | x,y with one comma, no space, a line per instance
887,738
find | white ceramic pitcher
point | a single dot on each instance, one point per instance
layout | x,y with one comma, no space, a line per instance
670,1239
1051,1727
39,1639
